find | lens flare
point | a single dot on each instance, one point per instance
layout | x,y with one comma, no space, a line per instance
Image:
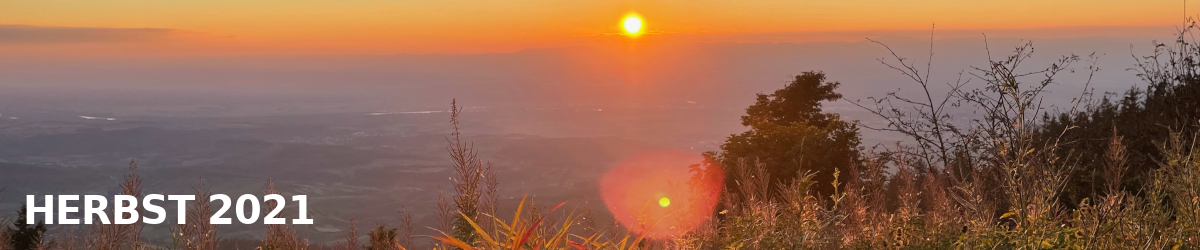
632,24
685,189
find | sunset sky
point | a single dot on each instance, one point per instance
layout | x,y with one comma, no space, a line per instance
455,26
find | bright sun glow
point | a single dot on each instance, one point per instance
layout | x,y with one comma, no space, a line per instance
664,202
632,24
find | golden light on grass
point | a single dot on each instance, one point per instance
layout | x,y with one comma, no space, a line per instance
632,24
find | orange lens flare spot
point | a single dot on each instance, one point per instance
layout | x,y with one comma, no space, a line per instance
686,191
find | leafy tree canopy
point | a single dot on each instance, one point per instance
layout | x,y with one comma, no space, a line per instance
790,133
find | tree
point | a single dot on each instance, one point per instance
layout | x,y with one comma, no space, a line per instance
24,235
789,134
1143,118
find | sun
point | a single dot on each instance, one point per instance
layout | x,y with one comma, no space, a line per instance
664,202
632,24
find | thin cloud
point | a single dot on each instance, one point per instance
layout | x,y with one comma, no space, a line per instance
10,33
857,35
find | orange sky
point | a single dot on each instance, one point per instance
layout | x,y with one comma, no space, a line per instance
457,26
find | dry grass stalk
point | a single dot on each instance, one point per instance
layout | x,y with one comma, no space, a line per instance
445,213
198,233
490,198
351,239
5,231
280,236
405,231
470,174
115,236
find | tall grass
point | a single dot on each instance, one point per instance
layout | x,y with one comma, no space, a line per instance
994,183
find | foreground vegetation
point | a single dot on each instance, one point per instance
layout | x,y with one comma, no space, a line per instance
1107,173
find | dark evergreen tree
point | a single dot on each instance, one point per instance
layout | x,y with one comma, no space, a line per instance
1143,117
24,235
